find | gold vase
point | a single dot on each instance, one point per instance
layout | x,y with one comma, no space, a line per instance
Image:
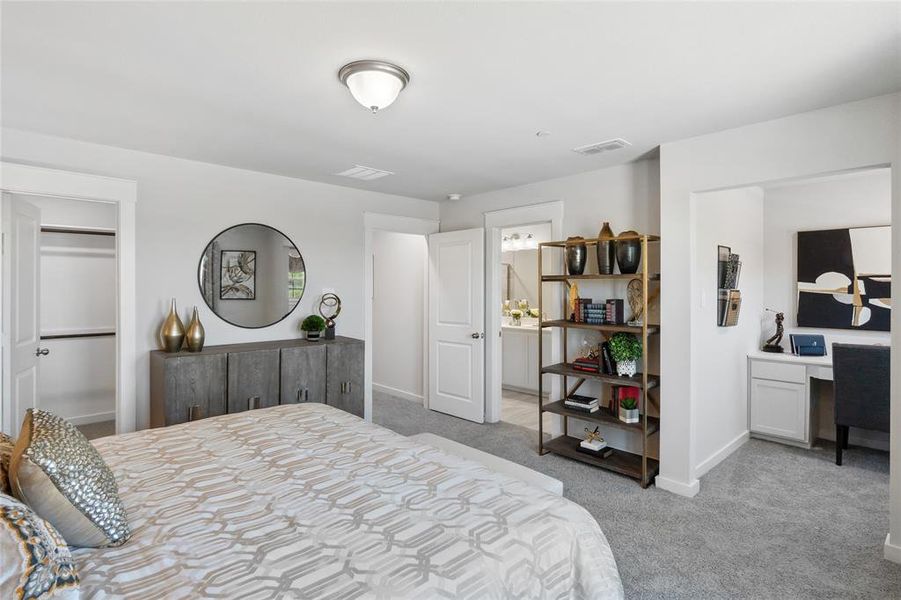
173,331
195,335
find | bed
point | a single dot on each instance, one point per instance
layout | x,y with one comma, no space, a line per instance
307,501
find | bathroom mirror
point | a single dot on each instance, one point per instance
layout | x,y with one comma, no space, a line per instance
251,275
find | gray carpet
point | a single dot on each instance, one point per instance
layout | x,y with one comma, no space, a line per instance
770,522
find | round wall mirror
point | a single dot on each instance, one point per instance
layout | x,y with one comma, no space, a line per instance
251,275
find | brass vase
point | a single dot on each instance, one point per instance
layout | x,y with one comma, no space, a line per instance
173,331
195,335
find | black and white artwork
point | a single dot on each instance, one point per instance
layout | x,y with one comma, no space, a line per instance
844,278
239,273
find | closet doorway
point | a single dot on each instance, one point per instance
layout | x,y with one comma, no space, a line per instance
68,297
63,260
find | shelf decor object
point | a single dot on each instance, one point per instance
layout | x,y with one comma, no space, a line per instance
576,255
628,252
574,373
606,251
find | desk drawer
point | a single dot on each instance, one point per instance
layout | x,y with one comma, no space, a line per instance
777,371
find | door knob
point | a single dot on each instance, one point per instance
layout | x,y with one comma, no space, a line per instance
476,336
42,352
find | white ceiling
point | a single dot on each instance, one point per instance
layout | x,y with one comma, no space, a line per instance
254,84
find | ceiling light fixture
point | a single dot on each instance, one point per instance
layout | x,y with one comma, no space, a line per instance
374,83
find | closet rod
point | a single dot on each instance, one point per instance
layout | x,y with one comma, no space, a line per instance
74,230
69,336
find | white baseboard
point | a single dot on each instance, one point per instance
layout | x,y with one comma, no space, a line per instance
386,389
891,552
689,490
93,418
720,455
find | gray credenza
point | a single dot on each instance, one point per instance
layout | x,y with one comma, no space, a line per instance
185,386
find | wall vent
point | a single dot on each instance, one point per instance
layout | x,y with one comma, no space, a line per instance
597,148
364,173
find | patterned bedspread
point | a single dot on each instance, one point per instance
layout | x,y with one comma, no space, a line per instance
306,501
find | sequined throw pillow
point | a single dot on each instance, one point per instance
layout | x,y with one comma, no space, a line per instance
36,562
59,473
6,451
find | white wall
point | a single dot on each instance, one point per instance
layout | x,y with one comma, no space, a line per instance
850,136
398,312
731,218
182,204
77,380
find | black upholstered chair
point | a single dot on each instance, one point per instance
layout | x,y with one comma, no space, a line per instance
862,396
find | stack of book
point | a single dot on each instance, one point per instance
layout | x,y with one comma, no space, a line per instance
614,311
609,312
589,365
582,403
609,365
595,313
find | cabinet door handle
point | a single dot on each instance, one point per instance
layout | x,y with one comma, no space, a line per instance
253,402
195,412
299,395
350,387
306,395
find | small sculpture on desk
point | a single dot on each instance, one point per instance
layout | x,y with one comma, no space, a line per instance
774,344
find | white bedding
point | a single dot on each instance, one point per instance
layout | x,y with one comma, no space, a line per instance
306,501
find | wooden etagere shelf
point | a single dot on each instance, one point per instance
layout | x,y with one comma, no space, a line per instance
638,466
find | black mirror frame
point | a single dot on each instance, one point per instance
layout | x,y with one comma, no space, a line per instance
200,283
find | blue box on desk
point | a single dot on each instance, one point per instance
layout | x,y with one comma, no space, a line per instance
807,345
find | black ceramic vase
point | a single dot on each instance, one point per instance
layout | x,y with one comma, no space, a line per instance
606,251
576,255
628,253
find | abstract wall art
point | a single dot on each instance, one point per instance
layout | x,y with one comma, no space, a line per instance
239,271
844,278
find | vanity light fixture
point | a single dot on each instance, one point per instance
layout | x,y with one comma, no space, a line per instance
374,83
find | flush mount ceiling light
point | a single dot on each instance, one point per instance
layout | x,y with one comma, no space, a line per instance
374,83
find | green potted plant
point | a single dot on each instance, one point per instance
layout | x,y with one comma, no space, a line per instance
625,349
516,315
312,326
628,410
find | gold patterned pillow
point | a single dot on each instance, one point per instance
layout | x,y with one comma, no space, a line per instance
6,451
59,473
36,561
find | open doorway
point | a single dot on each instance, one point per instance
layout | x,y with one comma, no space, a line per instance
399,279
519,323
395,309
62,309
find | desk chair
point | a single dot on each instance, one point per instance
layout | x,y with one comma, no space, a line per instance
862,396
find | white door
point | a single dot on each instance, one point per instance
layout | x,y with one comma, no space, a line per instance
457,323
25,329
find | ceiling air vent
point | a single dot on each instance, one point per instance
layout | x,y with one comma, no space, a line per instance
364,173
597,148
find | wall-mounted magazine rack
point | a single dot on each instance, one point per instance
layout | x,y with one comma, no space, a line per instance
728,296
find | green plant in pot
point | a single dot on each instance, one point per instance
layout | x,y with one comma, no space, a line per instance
628,410
313,326
625,350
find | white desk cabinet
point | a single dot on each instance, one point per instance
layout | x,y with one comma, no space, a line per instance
780,405
779,408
